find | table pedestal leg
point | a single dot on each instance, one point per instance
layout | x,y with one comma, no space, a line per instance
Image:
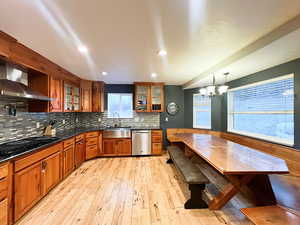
230,190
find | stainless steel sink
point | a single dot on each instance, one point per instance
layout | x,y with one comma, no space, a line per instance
117,132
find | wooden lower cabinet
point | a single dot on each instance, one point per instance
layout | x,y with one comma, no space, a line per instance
4,212
79,153
156,148
68,160
91,151
51,172
124,147
28,188
117,147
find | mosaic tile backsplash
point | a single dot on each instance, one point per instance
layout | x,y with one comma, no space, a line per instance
24,124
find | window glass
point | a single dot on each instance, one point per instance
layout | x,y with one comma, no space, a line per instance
119,105
201,111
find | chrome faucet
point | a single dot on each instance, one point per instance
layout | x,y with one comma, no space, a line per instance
118,124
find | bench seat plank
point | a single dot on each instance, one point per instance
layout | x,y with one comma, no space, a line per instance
271,215
189,171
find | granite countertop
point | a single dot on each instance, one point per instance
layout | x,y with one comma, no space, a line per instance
61,136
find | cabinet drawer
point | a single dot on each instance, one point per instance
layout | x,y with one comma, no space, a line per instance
156,148
91,152
3,171
35,157
156,133
91,134
4,212
156,139
91,141
79,137
3,188
69,142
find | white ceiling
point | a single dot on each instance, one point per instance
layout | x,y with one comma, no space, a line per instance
123,37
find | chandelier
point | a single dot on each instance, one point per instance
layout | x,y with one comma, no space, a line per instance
214,89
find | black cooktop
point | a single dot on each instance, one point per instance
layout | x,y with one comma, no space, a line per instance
17,147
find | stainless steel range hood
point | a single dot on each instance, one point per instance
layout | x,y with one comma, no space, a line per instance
13,84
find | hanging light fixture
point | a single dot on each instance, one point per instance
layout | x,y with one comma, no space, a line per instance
214,89
223,88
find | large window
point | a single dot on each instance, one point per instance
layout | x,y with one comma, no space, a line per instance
201,111
119,105
264,110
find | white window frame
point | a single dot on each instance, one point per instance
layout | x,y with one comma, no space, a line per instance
195,111
230,112
116,117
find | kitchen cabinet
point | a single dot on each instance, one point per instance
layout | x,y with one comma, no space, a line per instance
4,212
28,188
149,97
79,150
68,160
71,97
157,142
86,95
123,147
56,93
24,56
5,193
157,97
51,172
142,97
91,144
98,96
6,43
35,175
117,147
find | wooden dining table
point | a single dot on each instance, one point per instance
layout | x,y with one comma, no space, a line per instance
238,163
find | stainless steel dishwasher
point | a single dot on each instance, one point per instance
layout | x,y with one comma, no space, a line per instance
141,142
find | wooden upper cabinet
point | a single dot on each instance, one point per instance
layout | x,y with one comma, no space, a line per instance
71,97
149,97
6,43
86,95
56,93
157,97
51,172
28,58
98,96
28,188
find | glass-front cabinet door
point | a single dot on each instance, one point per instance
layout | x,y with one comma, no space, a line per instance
76,98
142,98
71,98
157,98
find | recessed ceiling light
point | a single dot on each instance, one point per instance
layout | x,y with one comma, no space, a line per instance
153,75
162,52
104,73
83,49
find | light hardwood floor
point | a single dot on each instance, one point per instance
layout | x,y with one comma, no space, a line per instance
124,191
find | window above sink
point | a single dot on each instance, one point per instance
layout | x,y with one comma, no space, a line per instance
119,105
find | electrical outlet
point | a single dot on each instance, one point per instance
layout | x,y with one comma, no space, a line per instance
166,119
99,119
37,124
77,120
64,122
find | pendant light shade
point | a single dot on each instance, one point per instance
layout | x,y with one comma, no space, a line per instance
223,89
215,89
202,91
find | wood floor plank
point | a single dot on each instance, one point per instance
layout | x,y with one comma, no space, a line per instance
125,191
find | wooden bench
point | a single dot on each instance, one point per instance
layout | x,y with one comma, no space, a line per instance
191,175
287,192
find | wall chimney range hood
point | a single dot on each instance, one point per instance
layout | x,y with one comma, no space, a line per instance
14,84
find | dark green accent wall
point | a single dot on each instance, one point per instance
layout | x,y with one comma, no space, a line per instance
175,94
